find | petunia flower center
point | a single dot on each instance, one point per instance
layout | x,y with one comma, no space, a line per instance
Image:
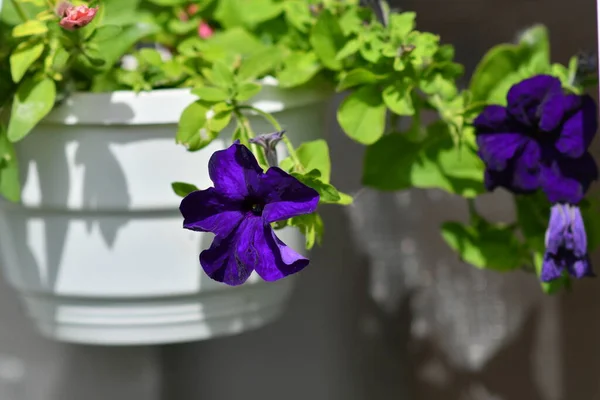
254,206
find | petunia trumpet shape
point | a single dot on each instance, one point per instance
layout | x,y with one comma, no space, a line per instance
539,140
75,17
566,244
239,210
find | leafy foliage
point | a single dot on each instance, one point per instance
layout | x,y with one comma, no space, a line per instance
386,71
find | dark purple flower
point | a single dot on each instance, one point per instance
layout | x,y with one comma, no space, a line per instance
239,210
269,143
566,244
539,140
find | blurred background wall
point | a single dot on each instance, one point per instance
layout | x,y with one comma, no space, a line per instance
385,311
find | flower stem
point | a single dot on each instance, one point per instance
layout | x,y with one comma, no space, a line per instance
277,126
20,10
248,134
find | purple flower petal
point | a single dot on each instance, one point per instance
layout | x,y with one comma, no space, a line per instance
526,168
578,234
234,171
550,269
286,196
253,246
518,181
581,268
579,129
567,179
558,225
526,97
210,211
277,259
496,149
492,119
554,110
232,259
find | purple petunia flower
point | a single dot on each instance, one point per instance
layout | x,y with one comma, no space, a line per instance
239,210
539,140
566,244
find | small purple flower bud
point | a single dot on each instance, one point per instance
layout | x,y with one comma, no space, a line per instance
269,142
566,244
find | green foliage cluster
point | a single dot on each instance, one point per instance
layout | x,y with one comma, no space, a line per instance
387,68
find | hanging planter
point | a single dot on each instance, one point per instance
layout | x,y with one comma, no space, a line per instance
96,248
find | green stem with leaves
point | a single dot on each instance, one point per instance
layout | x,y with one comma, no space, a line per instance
248,134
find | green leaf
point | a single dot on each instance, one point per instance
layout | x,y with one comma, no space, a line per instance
498,63
182,189
425,46
327,193
150,57
94,56
486,246
23,57
221,75
297,13
31,27
233,13
536,40
372,48
257,65
33,101
397,163
226,46
311,226
211,94
314,155
327,39
401,25
298,69
247,90
218,117
397,96
351,22
193,132
362,115
61,58
106,32
10,187
350,48
358,76
120,12
506,64
183,28
345,199
114,48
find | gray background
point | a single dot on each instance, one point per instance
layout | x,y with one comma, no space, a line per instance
437,329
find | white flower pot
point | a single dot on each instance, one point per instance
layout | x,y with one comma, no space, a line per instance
96,248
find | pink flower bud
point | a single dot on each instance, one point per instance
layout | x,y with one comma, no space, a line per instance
192,9
204,30
76,17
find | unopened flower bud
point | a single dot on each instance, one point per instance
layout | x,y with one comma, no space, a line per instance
269,142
